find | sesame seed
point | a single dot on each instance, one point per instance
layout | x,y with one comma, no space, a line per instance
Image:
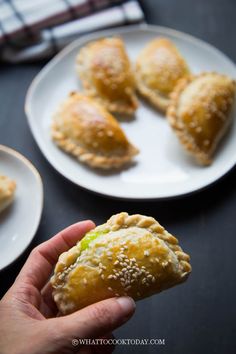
103,276
146,253
110,289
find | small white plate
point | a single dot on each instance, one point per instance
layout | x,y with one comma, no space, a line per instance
19,222
163,169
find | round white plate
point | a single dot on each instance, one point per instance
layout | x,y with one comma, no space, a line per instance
162,168
19,222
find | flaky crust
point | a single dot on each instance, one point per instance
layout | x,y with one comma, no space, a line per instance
84,129
106,74
7,191
159,66
199,113
135,256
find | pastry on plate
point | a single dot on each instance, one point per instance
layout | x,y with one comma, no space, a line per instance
159,66
200,113
85,129
128,255
7,192
106,74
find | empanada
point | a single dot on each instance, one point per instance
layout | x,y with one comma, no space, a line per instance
200,113
159,66
7,191
128,255
85,129
106,74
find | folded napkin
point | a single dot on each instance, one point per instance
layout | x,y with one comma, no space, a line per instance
36,29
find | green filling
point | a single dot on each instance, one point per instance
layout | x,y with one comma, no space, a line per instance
89,237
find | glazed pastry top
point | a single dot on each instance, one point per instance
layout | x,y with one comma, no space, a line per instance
200,111
160,66
87,130
106,74
129,255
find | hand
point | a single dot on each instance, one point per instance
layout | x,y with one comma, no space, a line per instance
28,313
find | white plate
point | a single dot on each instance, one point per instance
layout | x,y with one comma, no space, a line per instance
163,168
19,222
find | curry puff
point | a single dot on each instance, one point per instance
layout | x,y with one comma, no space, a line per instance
158,68
200,113
106,74
86,130
7,192
128,255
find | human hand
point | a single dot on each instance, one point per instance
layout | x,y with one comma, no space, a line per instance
28,313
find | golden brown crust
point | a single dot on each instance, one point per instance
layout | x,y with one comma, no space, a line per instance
158,68
199,113
83,128
106,74
7,191
135,256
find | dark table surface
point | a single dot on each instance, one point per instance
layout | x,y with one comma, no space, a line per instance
198,316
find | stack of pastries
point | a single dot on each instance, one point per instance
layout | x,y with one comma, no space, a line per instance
198,107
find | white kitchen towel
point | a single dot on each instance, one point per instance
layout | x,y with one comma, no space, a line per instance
36,29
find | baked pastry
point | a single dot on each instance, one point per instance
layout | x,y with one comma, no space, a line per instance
106,74
85,129
200,113
7,191
128,255
159,66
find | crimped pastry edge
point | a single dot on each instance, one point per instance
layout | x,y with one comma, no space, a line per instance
186,140
87,157
125,220
121,221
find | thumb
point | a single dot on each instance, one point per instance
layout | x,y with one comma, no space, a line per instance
97,319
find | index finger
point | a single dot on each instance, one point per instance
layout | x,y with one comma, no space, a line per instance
42,259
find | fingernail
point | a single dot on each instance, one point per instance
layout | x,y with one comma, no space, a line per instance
127,304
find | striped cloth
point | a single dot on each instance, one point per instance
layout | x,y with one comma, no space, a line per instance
36,29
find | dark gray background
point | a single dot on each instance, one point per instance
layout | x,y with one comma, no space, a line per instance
198,316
